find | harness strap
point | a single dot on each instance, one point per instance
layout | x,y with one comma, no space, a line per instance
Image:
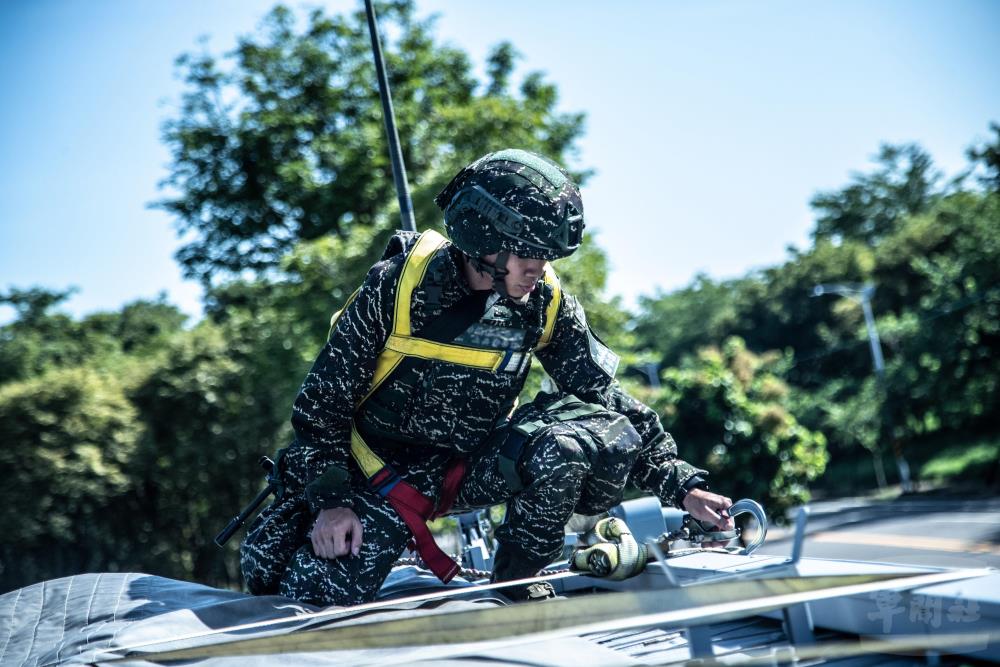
412,346
510,453
565,409
415,509
449,488
552,310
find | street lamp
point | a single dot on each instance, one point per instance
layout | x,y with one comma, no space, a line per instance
652,371
862,294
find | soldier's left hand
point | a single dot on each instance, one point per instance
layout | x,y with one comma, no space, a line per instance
707,506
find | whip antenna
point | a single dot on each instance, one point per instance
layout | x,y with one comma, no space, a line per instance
398,168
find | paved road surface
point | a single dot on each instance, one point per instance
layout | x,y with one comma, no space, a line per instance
915,531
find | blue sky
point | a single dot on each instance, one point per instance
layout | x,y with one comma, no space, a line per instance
710,124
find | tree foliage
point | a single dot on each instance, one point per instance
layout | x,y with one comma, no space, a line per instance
728,410
41,338
192,474
931,253
135,438
867,210
941,315
283,140
986,157
675,323
68,436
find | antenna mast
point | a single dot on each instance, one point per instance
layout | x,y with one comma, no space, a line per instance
398,168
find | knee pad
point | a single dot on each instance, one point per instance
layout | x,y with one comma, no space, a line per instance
567,434
556,452
615,447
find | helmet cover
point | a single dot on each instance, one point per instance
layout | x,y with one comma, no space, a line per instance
513,201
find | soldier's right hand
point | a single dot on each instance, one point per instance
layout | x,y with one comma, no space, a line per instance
337,532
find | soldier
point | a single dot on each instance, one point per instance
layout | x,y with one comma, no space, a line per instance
409,409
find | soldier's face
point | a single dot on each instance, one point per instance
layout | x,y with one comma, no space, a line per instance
522,274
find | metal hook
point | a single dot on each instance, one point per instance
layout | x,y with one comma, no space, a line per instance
747,506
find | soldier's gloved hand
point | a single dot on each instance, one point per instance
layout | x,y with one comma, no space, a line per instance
337,532
707,506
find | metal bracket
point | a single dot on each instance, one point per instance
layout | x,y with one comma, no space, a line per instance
476,551
798,541
700,641
658,554
798,623
798,618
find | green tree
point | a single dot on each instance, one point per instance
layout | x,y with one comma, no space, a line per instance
285,142
849,412
729,411
934,268
776,310
138,327
68,437
40,339
904,183
986,157
209,409
33,305
37,338
677,323
942,320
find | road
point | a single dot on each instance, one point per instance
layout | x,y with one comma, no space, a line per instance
909,530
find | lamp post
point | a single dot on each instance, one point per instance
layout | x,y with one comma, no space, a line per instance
862,294
652,371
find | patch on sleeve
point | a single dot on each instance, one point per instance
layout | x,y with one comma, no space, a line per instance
600,354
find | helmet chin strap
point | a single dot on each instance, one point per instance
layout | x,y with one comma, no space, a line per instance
498,270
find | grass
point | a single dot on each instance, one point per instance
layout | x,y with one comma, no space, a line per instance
962,462
947,461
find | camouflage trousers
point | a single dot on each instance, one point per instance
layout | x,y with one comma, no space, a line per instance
552,459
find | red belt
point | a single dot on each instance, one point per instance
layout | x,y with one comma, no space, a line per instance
416,509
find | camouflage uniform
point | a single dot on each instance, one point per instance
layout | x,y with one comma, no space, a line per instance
432,411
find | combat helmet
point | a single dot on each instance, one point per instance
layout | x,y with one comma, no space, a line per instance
512,202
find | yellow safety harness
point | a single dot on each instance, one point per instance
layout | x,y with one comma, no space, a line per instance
400,344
